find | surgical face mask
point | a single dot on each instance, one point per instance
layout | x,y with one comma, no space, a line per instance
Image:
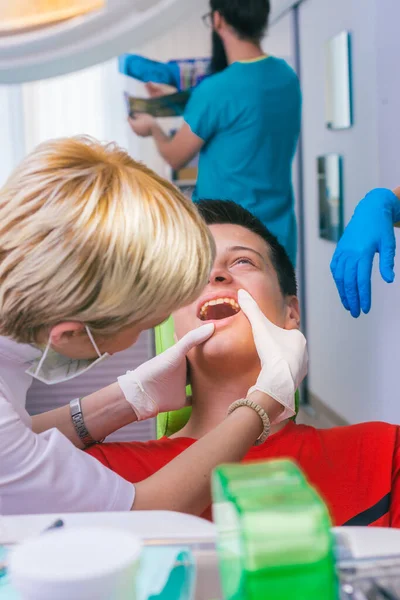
53,367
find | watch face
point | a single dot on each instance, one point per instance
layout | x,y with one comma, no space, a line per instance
75,406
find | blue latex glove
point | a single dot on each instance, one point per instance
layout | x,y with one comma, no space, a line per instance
369,231
144,69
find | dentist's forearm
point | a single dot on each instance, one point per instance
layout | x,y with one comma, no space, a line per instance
184,484
162,141
103,412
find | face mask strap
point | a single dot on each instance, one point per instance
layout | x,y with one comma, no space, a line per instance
91,338
43,357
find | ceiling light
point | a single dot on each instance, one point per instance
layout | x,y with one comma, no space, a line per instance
27,14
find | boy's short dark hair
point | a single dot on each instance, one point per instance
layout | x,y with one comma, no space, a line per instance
249,18
221,212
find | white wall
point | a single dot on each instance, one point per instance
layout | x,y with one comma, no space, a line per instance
279,40
63,106
279,8
352,362
387,298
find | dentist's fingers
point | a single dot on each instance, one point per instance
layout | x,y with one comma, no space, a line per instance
265,333
338,274
194,338
335,260
252,311
364,282
386,256
351,286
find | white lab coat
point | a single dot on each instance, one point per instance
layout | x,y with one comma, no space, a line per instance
46,473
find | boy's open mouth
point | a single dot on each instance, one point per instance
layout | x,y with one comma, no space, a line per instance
218,308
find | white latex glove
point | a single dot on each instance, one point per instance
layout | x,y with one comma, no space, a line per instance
159,385
283,356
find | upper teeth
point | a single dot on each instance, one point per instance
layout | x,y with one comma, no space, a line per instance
219,301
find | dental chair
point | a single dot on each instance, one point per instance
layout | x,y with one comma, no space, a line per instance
170,422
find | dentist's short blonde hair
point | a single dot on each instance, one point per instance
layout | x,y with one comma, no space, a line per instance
88,234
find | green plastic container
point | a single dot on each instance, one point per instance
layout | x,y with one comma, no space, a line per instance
274,537
257,476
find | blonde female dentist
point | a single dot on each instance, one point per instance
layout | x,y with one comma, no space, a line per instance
94,249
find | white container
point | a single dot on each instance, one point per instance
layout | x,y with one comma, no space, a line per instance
77,563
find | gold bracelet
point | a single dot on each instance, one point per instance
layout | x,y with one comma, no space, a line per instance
261,413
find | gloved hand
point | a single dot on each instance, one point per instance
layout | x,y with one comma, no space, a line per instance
283,356
369,231
145,69
159,385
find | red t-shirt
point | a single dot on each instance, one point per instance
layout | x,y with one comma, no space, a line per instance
355,469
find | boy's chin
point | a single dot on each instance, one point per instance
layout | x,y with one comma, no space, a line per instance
220,343
227,349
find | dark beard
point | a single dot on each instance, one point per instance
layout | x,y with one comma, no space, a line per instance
219,60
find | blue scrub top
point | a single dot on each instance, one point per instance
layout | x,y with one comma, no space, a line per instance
249,117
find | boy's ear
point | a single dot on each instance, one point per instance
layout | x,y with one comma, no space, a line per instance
292,317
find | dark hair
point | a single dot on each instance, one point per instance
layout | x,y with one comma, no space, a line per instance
249,18
223,212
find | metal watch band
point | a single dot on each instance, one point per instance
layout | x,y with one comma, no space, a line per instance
79,424
261,413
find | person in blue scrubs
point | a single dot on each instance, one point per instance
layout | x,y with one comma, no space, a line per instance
244,119
369,232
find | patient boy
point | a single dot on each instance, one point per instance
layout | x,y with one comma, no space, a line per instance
355,468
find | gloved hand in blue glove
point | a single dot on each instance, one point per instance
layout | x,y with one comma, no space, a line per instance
369,231
144,69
